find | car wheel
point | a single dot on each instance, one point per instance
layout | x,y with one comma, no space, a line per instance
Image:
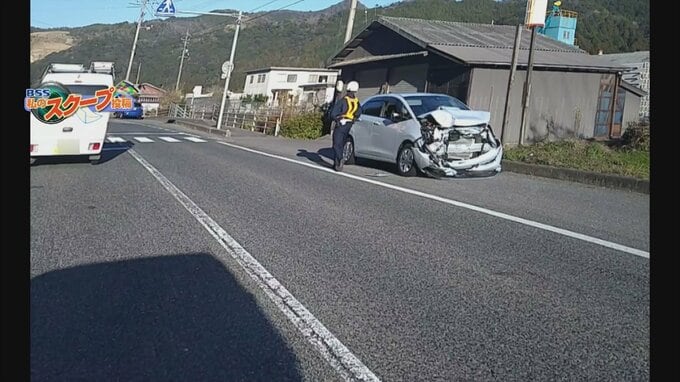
406,164
348,151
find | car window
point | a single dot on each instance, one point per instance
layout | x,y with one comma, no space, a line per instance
396,106
422,104
85,90
372,108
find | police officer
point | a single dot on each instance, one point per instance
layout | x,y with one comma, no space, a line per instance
345,112
329,123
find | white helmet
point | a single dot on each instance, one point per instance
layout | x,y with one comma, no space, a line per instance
339,86
442,118
352,86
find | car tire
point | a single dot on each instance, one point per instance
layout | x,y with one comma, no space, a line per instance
406,163
348,151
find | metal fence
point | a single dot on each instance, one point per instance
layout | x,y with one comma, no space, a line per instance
251,116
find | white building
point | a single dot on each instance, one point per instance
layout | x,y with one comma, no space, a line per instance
292,85
638,75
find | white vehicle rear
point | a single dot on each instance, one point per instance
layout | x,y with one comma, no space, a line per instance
84,132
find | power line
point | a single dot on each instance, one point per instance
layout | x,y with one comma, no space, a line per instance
272,11
250,19
262,6
212,29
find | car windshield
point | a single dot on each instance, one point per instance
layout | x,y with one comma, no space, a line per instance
422,104
85,90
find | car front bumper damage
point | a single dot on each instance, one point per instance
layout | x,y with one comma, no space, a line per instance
485,164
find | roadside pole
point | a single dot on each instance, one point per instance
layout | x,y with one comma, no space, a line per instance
229,68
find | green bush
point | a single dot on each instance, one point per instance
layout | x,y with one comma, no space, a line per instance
304,126
636,136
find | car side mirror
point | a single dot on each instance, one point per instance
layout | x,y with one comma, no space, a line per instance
397,117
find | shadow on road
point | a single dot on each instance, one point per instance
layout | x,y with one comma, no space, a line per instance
169,318
316,157
329,155
109,151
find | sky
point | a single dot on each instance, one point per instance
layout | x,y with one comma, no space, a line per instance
77,13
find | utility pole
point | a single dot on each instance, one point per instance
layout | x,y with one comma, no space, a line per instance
535,17
139,70
527,88
134,44
511,78
350,20
229,68
181,61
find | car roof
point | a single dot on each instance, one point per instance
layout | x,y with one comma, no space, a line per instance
404,95
413,94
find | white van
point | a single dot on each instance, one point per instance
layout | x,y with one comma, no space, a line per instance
82,133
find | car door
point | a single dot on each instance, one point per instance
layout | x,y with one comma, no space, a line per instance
388,135
364,125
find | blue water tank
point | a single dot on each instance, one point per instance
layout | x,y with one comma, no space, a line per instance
560,25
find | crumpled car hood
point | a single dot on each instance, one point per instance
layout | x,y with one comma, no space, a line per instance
466,117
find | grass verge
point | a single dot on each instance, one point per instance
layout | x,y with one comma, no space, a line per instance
585,156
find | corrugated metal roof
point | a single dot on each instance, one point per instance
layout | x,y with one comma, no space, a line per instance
630,58
542,58
378,58
436,32
484,44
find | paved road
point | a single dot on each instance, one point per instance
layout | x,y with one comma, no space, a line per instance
137,269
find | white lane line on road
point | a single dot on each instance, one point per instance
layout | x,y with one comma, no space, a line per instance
561,231
194,139
337,354
145,133
169,139
143,139
116,139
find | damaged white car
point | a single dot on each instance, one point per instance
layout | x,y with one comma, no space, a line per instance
434,133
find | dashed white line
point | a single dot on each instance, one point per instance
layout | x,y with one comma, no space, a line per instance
144,133
143,139
546,227
169,139
194,139
335,352
115,139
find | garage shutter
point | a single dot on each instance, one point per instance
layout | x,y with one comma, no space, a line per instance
370,82
408,79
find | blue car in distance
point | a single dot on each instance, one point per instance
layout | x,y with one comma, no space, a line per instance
137,112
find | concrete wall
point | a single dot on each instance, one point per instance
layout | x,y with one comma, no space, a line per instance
563,104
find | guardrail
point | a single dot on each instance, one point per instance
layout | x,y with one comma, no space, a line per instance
251,116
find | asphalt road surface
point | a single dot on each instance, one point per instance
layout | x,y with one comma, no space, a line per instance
185,257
